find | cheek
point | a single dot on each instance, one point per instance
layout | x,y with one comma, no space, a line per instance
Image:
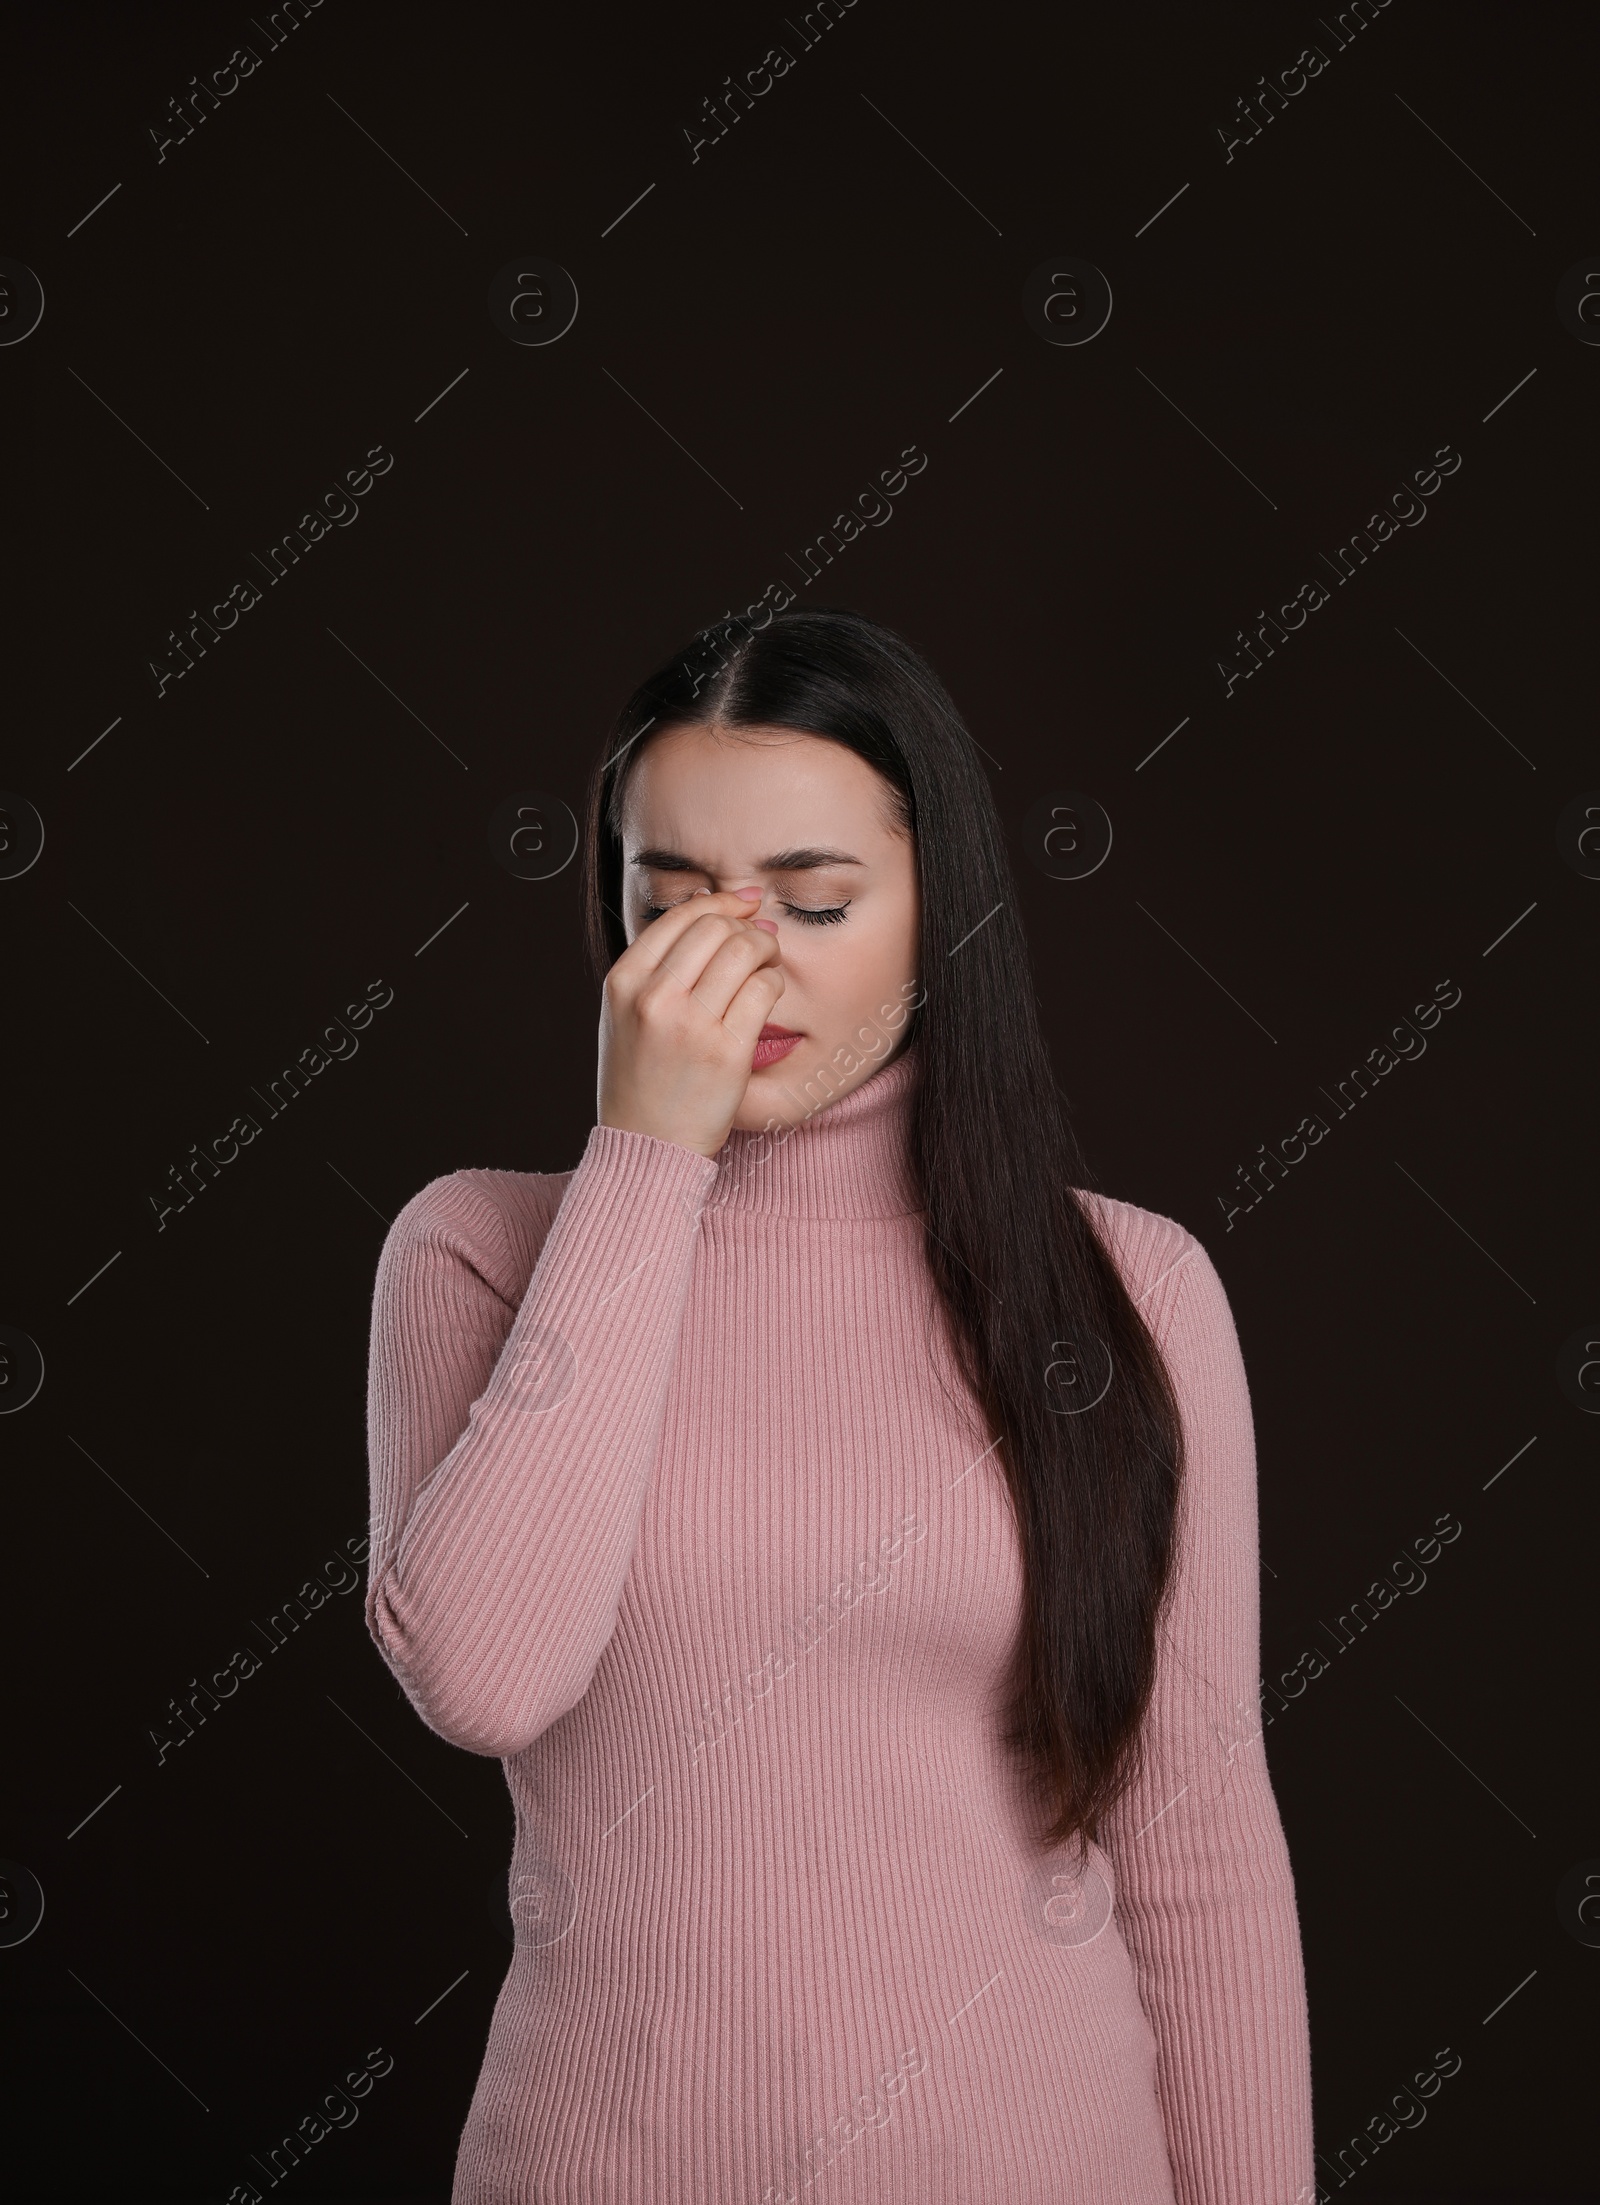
846,973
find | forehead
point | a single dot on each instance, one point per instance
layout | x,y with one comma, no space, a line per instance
694,786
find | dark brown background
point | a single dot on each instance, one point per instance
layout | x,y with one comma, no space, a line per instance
233,863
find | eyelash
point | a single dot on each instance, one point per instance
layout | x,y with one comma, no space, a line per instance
830,916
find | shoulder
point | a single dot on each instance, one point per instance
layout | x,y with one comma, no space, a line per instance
493,1221
1178,1291
1164,1267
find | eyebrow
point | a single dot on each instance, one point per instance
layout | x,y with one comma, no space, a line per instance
783,861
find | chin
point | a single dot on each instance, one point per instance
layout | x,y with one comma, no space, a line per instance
798,1087
777,1091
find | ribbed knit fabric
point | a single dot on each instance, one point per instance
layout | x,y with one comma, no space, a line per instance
681,1507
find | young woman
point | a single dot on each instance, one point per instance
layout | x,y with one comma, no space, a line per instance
842,1524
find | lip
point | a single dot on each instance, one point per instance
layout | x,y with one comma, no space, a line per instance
773,1044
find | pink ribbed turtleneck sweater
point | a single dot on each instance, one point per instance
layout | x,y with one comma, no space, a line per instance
681,1508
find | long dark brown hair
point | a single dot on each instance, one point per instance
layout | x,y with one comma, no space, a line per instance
1038,1318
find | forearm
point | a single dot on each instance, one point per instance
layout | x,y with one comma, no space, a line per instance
496,1578
1212,1926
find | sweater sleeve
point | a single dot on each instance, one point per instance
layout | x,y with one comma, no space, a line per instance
1205,1892
512,1430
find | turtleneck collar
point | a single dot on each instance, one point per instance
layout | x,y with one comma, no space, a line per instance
846,1160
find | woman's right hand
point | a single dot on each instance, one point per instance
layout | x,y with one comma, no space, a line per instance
682,1011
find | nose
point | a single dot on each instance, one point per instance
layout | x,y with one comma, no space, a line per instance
757,898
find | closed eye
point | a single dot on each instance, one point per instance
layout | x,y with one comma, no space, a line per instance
829,915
